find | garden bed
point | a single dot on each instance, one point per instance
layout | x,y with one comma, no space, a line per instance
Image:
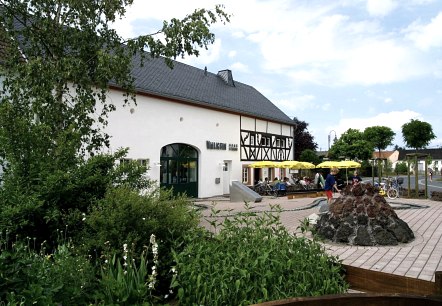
305,194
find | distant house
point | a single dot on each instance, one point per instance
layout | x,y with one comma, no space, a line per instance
391,156
434,154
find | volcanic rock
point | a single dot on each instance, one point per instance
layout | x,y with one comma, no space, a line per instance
360,216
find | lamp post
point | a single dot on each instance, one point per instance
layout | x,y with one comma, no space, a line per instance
329,137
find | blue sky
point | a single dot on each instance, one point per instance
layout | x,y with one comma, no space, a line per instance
334,64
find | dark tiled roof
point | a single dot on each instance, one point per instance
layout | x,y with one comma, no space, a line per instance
434,153
195,86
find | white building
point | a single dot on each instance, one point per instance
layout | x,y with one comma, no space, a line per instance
198,131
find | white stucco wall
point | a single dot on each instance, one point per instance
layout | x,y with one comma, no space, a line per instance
154,123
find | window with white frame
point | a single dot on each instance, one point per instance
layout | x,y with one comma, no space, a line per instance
245,175
141,161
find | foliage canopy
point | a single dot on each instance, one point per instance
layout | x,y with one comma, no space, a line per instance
380,136
59,61
351,145
417,134
303,139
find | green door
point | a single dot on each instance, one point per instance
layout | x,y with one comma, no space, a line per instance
179,169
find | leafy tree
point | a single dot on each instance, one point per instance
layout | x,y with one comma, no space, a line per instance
401,168
417,134
60,59
398,148
380,136
310,156
303,139
352,145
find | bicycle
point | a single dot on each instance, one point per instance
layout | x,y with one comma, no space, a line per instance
263,189
389,188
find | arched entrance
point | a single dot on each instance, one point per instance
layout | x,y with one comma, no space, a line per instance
179,169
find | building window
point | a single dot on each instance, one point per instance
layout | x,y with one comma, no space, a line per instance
265,141
245,175
141,161
125,161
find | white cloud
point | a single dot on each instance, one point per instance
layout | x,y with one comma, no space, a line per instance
426,36
238,34
206,57
422,2
239,67
294,52
393,120
381,8
381,62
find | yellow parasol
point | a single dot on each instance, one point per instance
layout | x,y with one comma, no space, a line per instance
328,164
264,164
293,164
340,164
349,164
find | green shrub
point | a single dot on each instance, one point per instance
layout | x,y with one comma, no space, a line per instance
128,280
253,259
29,277
60,197
128,217
401,168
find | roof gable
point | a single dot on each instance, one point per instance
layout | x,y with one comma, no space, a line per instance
200,87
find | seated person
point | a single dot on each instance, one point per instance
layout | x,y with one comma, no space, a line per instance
356,179
293,179
274,182
286,181
319,180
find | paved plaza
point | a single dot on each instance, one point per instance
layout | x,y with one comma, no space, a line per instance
418,259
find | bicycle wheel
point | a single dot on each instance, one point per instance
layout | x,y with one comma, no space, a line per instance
392,193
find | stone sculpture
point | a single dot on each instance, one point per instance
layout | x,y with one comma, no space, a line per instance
360,216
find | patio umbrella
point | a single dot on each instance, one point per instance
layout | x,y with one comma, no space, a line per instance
349,164
328,164
264,164
294,164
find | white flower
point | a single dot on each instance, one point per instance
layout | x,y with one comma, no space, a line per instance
83,219
152,239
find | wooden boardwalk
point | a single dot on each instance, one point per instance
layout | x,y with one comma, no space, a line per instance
418,259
